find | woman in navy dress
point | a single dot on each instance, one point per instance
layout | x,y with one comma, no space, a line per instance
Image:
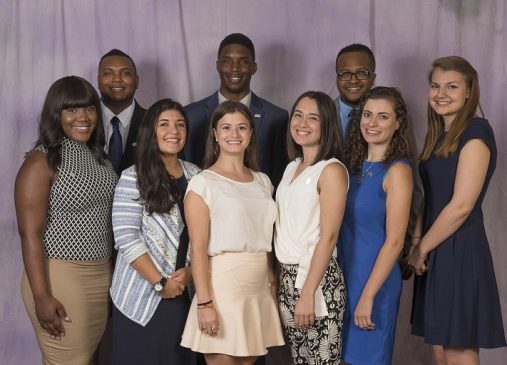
456,305
373,229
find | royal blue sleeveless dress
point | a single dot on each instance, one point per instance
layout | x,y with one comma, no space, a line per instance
362,235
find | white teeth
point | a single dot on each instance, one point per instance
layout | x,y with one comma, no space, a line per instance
302,133
353,89
172,140
369,131
81,128
234,142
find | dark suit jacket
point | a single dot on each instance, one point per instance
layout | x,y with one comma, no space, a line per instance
130,147
270,127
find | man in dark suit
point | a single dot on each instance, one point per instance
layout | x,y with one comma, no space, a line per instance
118,81
236,65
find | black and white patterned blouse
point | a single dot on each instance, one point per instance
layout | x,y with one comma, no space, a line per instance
78,223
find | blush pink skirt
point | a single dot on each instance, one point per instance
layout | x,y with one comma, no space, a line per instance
248,316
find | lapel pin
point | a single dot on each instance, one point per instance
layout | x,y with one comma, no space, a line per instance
134,144
257,115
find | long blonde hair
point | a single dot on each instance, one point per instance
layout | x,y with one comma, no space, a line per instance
463,117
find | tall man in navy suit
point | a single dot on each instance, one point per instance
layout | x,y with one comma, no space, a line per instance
118,81
236,65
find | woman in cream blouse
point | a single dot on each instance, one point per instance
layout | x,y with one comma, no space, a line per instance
230,216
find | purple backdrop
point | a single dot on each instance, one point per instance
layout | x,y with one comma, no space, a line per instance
174,44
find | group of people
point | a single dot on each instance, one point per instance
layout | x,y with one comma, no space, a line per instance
208,262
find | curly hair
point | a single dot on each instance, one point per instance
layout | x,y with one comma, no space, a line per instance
436,122
399,146
68,92
212,147
157,187
329,144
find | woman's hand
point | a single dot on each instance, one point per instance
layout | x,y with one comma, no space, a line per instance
172,289
208,320
50,313
183,275
418,260
362,314
304,312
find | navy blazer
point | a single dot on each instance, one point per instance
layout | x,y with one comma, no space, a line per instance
129,153
270,127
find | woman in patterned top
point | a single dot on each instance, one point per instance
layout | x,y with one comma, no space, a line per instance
63,196
151,272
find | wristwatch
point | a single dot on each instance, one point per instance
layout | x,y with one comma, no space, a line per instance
159,285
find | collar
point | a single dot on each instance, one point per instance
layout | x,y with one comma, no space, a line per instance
125,116
344,108
245,101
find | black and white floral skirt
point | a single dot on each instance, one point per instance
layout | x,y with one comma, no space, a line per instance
320,344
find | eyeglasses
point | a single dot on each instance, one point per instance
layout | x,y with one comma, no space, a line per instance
347,75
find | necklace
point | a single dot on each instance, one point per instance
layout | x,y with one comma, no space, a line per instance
360,179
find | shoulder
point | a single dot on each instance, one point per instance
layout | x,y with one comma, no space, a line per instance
199,105
334,167
262,178
399,172
269,107
333,172
34,168
138,108
128,177
479,128
190,169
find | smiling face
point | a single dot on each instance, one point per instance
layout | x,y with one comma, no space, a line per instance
170,132
353,90
233,133
79,123
378,122
305,123
235,66
448,94
118,81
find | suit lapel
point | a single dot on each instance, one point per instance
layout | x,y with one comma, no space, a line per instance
257,111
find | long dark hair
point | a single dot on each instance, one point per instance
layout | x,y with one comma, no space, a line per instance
212,148
329,144
436,122
68,92
157,187
399,146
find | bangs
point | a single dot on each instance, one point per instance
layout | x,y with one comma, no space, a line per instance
78,95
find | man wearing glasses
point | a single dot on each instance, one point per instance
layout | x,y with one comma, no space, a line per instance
355,74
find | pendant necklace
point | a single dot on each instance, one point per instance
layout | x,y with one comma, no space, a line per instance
360,179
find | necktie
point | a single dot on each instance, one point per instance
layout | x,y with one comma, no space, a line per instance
115,145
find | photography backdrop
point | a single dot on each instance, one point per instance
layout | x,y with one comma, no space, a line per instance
174,44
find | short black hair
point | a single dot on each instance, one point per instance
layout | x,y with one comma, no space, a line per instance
357,47
117,52
237,38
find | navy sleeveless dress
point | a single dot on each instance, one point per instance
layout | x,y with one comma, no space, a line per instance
456,301
362,235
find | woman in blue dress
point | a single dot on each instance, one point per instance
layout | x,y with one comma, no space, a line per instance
456,307
373,230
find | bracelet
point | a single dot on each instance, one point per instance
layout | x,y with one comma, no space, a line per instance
203,306
272,284
204,303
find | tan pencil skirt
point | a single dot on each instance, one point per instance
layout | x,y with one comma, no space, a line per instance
248,316
83,289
